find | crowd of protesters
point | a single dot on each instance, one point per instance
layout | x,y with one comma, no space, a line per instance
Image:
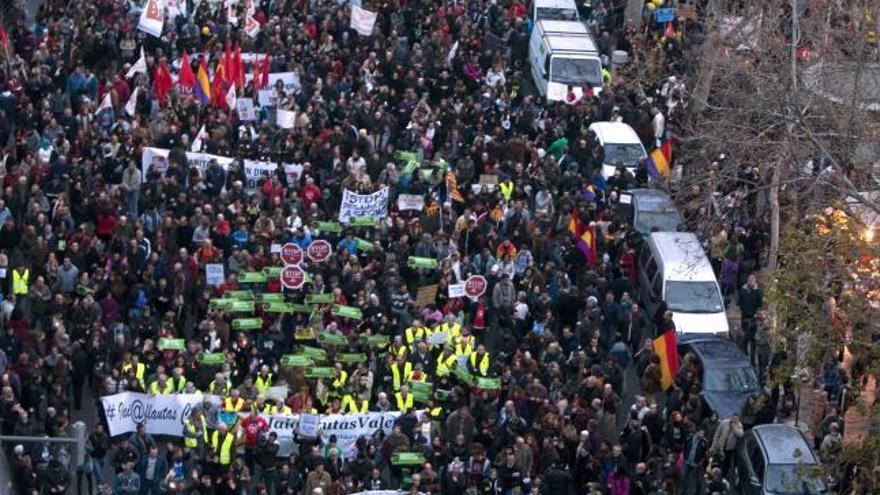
101,259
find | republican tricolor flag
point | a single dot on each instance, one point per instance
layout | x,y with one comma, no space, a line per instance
665,346
584,238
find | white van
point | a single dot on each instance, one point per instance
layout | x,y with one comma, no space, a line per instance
673,268
563,57
554,10
621,145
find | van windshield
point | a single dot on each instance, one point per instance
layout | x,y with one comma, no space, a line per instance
576,71
693,297
556,14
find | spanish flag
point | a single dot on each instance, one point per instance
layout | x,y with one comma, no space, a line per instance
665,347
584,238
658,164
203,84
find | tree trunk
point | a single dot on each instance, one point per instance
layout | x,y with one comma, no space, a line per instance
773,257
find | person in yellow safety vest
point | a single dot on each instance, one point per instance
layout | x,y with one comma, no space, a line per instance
418,374
350,405
433,410
223,445
417,332
194,427
263,380
397,347
445,362
606,76
479,361
233,403
451,327
162,386
340,380
401,371
138,367
178,379
190,388
506,189
465,344
219,385
20,278
272,408
404,399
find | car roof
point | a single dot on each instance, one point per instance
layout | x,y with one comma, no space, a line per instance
784,444
556,4
652,199
681,256
565,28
615,132
576,43
717,352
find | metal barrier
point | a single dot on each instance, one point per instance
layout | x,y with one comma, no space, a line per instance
77,439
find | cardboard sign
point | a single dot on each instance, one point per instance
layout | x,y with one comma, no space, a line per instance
426,295
305,333
664,15
488,180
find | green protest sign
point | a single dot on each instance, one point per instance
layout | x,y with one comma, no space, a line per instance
443,394
407,458
320,372
319,299
349,312
271,297
419,262
222,304
351,358
363,244
296,360
242,307
273,271
406,156
488,383
241,295
329,338
251,278
212,358
314,352
277,307
172,344
463,375
247,323
426,173
365,221
376,340
421,391
328,226
301,308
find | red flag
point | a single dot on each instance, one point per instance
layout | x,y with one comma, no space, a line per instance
264,83
666,149
219,90
186,78
228,66
240,73
4,37
256,77
162,81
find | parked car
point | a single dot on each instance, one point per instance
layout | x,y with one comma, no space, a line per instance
650,210
729,379
777,460
621,144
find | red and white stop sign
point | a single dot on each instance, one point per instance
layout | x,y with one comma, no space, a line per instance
319,250
475,285
291,254
293,277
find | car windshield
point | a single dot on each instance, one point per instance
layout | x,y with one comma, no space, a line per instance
730,379
693,297
793,479
663,221
627,154
556,14
576,71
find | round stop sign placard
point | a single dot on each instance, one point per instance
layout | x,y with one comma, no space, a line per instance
293,277
291,254
475,285
319,250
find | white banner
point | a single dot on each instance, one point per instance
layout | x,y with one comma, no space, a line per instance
410,202
253,171
362,20
157,159
162,414
266,97
152,18
363,205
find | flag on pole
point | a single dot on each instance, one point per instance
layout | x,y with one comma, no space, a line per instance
218,92
132,102
228,66
162,81
139,66
452,190
665,347
4,37
186,78
240,71
197,142
264,82
203,84
584,238
657,164
106,103
231,98
666,149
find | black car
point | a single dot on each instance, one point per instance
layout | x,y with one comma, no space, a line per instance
728,378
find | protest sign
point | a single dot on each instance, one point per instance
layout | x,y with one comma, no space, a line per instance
285,119
293,171
308,425
162,414
266,97
253,172
456,290
363,205
426,295
246,111
330,338
300,360
214,274
349,312
172,344
247,323
157,159
334,227
420,262
319,298
362,21
410,202
251,278
241,295
153,18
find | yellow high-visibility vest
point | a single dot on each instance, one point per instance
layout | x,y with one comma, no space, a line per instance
225,448
445,364
213,387
262,384
191,435
435,412
404,403
453,331
269,409
506,189
397,351
466,349
181,383
228,405
20,282
138,372
340,381
168,390
413,334
483,366
349,404
395,373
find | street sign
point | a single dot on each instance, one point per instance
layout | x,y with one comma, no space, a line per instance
293,277
475,286
319,250
291,254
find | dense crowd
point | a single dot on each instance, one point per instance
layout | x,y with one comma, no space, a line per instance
103,259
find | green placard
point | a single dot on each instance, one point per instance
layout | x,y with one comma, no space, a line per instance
443,394
277,307
406,156
329,338
315,353
252,278
407,458
212,358
271,297
242,307
319,372
62,245
302,308
488,383
376,340
463,375
421,391
273,271
241,295
363,244
426,174
175,344
328,226
366,221
349,312
319,299
419,262
296,360
221,303
351,358
247,323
